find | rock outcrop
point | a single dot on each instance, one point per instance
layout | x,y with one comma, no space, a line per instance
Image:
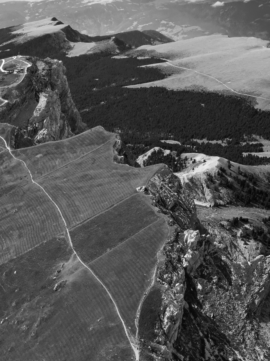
41,107
55,116
210,299
215,181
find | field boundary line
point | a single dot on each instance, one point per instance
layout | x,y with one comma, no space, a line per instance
74,160
129,337
66,139
126,240
30,249
98,214
116,204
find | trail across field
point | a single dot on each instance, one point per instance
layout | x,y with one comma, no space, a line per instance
129,337
212,77
192,85
3,101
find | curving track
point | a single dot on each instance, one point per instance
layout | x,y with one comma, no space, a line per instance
4,101
213,78
129,337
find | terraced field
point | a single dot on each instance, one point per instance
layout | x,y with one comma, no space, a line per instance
79,250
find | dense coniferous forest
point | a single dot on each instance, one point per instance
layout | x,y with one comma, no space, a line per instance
245,188
98,84
99,79
233,152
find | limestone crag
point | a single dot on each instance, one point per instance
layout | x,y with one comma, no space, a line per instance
55,116
210,299
41,108
201,188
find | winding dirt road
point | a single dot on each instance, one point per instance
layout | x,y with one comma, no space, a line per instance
4,101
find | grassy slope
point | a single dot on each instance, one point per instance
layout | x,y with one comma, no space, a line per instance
75,323
78,321
240,63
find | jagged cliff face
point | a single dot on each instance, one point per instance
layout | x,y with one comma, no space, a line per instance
210,300
41,107
55,116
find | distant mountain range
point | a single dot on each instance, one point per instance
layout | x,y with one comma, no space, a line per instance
176,19
58,37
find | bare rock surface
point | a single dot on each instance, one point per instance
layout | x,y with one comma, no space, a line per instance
210,299
41,108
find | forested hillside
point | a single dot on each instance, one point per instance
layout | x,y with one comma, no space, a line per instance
98,85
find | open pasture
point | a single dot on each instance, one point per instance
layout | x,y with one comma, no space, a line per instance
127,270
5,132
110,229
93,183
216,63
117,235
27,217
47,158
78,322
12,172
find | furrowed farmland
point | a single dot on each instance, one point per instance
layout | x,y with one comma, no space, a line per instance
79,248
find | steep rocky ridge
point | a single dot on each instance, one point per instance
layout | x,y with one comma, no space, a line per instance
216,181
41,108
210,297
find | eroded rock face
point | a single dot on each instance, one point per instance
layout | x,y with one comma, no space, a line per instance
55,116
211,297
200,188
234,292
41,107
